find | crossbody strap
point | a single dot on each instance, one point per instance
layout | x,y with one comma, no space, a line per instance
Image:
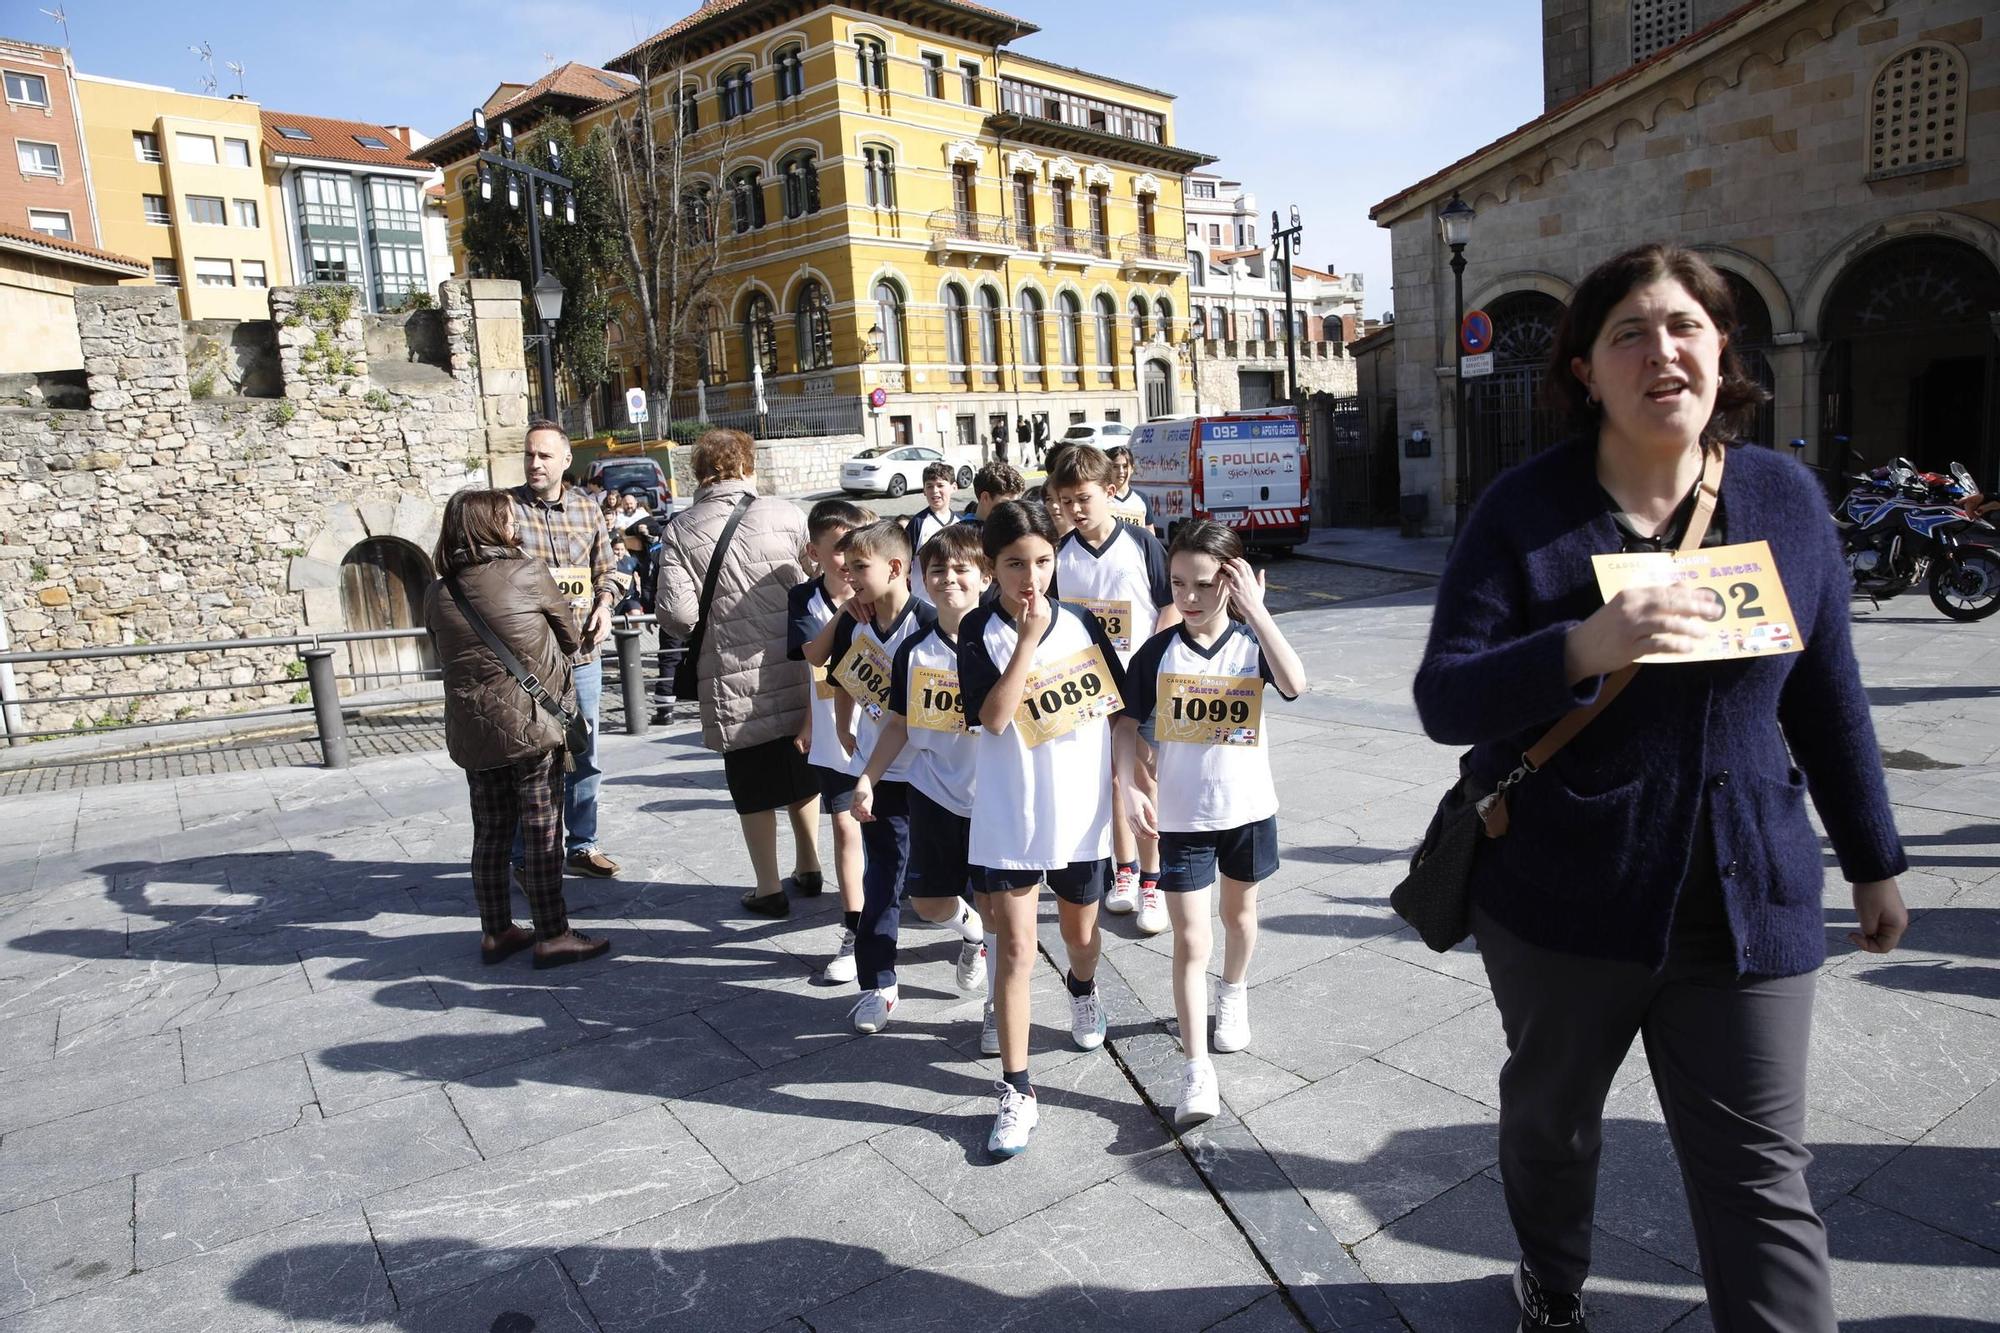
700,630
1577,719
529,681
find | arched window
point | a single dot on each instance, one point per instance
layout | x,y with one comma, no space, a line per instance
1916,114
812,328
760,334
871,62
734,92
1069,329
800,175
880,166
889,318
746,199
711,359
989,327
788,70
1139,331
1260,323
1658,24
1197,324
697,214
1032,352
955,330
1218,325
1163,311
1107,323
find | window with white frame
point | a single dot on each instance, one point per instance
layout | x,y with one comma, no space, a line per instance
871,60
26,89
145,146
933,74
968,79
889,319
246,212
156,209
1916,114
166,273
196,148
790,69
51,222
334,261
1201,189
214,273
236,152
799,175
207,210
1658,24
38,159
735,93
880,166
253,273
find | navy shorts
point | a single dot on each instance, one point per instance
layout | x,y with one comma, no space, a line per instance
836,789
1081,882
939,867
1248,854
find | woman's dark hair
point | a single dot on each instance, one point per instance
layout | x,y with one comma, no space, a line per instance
1737,395
1203,536
472,518
1012,520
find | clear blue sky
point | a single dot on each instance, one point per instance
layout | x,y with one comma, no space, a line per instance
1329,104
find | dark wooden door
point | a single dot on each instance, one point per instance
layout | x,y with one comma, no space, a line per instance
382,583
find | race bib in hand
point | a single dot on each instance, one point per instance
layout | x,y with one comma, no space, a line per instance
1743,599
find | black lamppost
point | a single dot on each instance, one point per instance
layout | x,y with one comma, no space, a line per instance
1284,242
1455,225
542,189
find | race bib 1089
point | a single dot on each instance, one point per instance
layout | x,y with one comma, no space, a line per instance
864,674
935,704
1209,710
1065,695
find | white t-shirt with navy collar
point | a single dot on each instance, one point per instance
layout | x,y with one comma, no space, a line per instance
921,527
869,715
1125,580
809,610
942,764
1204,788
1047,806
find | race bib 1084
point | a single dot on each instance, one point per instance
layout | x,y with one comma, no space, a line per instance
935,704
1065,695
1742,596
1209,710
864,674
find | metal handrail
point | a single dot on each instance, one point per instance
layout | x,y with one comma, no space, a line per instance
985,228
1164,249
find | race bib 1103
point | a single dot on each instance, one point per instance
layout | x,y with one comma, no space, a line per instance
1209,710
1065,695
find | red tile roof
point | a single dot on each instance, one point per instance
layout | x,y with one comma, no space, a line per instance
584,83
334,140
15,238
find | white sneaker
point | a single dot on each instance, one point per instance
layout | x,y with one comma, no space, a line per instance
1199,1099
1086,1021
840,967
1232,1017
872,1010
971,967
1015,1123
1124,895
989,1032
1152,918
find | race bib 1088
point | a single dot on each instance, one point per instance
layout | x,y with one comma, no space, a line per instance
1063,696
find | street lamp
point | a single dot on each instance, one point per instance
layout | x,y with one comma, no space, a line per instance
542,189
548,298
1455,225
1284,242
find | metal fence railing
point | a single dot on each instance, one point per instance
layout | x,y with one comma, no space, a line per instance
635,677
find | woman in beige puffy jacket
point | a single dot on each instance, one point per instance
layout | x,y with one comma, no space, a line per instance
753,699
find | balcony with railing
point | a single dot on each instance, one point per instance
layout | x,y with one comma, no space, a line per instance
1155,253
1076,241
956,232
1074,123
1038,102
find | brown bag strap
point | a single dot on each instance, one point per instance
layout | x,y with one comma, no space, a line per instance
1565,731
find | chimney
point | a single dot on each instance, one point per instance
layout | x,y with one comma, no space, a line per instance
402,133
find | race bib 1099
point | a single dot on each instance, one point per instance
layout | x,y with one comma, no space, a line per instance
1065,695
1209,710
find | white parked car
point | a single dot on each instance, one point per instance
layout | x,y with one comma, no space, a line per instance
1103,434
891,470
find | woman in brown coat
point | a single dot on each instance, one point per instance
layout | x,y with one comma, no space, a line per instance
753,697
510,746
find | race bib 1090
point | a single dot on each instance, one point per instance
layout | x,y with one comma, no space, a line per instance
864,674
935,704
1209,710
1065,695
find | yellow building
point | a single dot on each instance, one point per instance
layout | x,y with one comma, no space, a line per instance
181,185
905,205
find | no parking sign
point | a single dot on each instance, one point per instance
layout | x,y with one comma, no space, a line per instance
1475,334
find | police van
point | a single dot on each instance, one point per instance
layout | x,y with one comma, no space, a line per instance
1250,470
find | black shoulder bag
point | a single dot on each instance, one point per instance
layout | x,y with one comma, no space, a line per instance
687,684
576,727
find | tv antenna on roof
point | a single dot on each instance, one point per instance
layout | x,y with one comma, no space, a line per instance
60,17
207,57
549,59
237,70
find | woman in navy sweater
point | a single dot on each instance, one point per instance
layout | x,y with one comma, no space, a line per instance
1660,878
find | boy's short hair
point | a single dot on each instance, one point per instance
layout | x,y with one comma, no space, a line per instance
885,538
998,479
940,472
956,541
830,514
1079,465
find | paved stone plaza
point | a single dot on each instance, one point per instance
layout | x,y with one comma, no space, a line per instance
257,1079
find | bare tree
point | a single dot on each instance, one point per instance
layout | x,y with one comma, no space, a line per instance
669,243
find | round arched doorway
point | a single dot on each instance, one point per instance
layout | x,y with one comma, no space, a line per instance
1159,388
1909,362
1506,419
382,583
1752,340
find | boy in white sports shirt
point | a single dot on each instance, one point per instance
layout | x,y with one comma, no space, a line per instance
866,635
1127,505
1201,686
1117,572
927,723
927,522
814,606
1040,680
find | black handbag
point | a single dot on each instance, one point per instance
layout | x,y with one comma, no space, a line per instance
576,724
687,683
1436,896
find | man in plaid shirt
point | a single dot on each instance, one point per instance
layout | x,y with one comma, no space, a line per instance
563,527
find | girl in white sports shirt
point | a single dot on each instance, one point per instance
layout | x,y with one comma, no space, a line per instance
1201,684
